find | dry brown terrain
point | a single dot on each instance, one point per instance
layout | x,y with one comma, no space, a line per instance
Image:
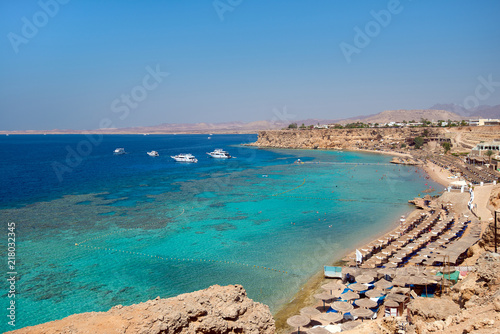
461,138
388,116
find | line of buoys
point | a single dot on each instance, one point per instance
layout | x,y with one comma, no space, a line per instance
338,199
128,229
350,163
284,192
178,259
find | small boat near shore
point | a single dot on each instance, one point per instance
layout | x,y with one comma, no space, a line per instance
119,151
219,153
184,157
153,154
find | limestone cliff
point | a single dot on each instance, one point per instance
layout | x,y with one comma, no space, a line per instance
366,138
461,138
214,310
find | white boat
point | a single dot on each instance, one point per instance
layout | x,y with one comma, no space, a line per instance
119,150
219,153
153,154
184,157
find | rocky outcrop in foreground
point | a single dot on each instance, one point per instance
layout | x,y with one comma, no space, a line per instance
214,310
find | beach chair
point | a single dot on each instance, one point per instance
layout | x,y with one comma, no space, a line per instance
375,312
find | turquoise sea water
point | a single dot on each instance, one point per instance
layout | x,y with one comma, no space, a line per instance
126,229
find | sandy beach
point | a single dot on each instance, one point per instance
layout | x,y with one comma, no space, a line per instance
397,154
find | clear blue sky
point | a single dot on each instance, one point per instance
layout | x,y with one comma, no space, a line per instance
87,54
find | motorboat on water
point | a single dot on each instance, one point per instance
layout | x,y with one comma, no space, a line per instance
119,150
184,157
153,154
219,153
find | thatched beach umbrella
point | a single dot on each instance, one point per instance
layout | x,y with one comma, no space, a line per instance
310,311
358,287
401,280
391,265
397,297
324,297
331,317
342,307
364,278
383,284
349,295
368,265
402,253
362,312
411,246
318,330
374,293
353,271
425,252
413,270
386,271
333,286
398,243
417,259
365,302
391,303
418,280
298,321
400,290
388,252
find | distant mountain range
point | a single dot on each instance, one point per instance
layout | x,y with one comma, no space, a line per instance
483,111
406,115
435,113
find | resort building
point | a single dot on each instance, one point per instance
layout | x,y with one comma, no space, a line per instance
483,147
484,122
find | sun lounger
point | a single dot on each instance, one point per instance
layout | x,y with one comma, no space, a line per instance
333,272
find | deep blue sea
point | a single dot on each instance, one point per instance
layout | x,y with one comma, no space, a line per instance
94,229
